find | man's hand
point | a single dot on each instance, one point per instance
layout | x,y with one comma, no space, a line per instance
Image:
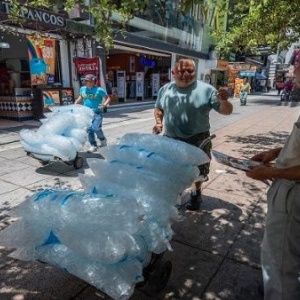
223,94
157,129
262,173
226,107
266,156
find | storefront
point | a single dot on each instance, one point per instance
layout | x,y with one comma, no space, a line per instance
136,73
34,64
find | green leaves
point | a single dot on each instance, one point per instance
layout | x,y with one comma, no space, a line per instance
253,23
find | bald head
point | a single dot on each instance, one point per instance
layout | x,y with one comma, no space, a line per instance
184,72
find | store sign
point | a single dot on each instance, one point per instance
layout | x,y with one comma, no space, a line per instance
92,65
155,84
247,73
140,84
42,59
121,84
151,63
37,15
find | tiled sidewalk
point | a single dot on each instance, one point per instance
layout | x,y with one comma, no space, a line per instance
216,251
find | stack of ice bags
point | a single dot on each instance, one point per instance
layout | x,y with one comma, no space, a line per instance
62,134
106,233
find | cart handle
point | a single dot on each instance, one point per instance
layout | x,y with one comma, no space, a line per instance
206,141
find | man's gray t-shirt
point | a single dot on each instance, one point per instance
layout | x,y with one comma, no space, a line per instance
186,111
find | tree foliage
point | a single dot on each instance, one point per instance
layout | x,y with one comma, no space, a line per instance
257,23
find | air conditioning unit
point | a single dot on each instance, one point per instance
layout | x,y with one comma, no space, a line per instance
78,13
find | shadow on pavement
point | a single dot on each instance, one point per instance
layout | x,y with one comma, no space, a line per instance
123,113
261,101
252,144
208,248
214,253
61,167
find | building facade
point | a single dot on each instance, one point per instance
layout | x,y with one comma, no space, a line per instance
141,61
36,60
42,61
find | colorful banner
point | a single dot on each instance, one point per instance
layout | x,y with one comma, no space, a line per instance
92,65
42,59
51,98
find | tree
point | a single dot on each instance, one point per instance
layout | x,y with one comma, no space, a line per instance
100,10
256,23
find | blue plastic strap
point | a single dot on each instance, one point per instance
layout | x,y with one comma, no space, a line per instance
52,239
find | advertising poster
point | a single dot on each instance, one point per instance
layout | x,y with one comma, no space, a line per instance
51,98
67,96
42,59
121,84
132,64
93,66
140,84
155,84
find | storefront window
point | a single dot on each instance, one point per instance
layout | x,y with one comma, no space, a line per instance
14,65
136,75
163,21
27,61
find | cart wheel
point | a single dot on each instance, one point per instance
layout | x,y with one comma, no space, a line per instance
158,279
78,162
44,163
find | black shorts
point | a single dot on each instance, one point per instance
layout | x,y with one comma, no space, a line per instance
196,140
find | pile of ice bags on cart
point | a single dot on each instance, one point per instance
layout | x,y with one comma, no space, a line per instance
106,233
62,134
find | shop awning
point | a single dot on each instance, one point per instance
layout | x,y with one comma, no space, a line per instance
260,76
141,50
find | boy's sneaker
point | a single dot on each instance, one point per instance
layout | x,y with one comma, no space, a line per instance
195,201
103,143
92,149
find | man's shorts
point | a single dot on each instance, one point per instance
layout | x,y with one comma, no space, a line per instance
196,140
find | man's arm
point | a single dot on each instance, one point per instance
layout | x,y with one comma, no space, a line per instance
271,173
225,107
159,116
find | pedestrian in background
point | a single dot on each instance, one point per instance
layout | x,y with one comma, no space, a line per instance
183,108
245,90
92,97
279,86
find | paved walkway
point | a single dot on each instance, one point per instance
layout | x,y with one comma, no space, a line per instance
216,251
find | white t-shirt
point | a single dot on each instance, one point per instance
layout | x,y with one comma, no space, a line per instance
290,153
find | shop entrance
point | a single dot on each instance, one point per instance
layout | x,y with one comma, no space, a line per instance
14,66
30,76
136,74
